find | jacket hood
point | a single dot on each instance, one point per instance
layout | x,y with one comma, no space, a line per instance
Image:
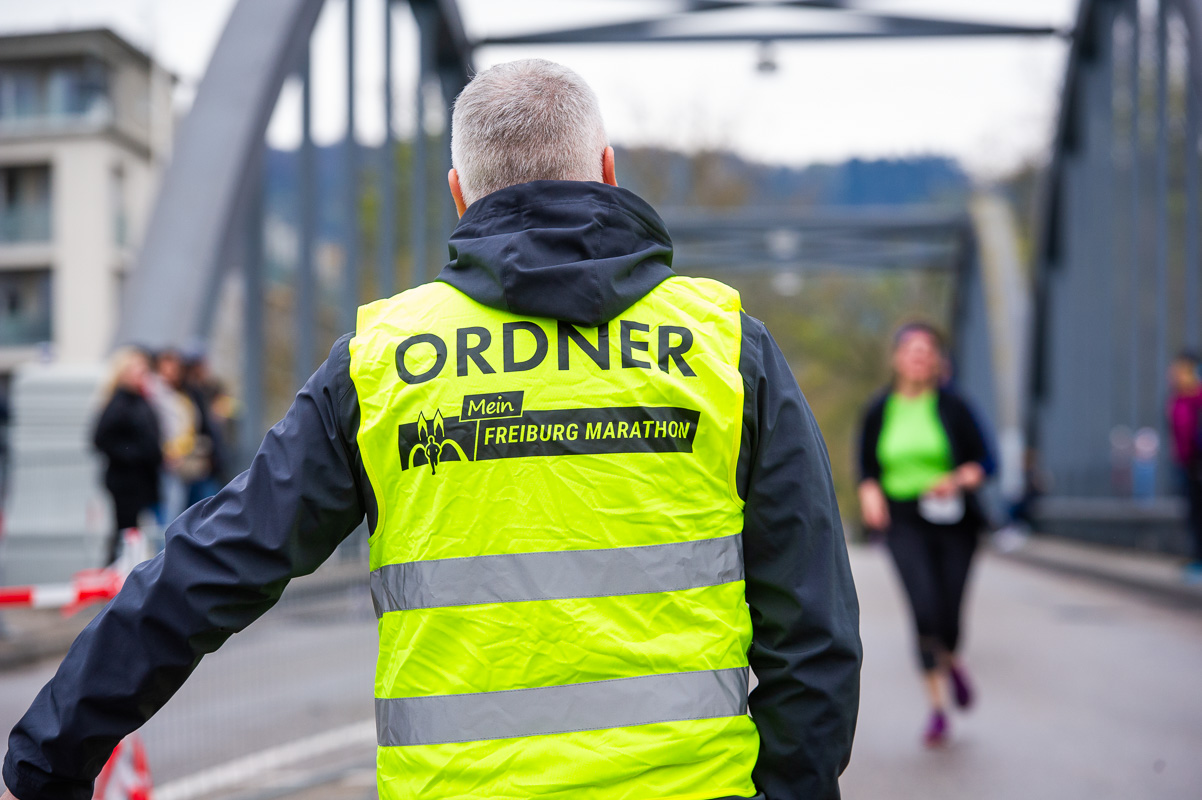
577,251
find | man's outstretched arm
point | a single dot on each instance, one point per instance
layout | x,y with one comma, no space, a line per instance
226,562
805,649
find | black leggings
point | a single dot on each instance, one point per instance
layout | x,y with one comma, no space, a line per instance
1193,496
933,562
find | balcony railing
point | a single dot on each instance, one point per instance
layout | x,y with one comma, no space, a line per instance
51,121
25,224
19,331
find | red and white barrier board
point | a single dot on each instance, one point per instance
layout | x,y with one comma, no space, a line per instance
126,776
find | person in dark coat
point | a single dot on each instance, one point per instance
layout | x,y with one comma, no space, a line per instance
922,458
127,434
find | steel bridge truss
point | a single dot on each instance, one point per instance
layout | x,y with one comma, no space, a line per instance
208,218
1117,274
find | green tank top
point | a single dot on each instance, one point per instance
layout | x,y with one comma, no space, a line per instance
913,447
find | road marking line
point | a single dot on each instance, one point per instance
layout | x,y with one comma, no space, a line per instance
240,770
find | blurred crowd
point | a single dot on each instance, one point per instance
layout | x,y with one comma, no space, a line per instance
164,432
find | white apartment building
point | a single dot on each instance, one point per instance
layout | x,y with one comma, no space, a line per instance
85,121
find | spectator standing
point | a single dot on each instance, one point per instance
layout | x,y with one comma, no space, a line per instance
1185,406
180,423
208,452
922,457
127,434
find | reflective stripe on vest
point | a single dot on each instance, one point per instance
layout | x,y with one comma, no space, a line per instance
560,709
557,555
556,576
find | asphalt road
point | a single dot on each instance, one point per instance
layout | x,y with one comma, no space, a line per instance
1085,692
303,669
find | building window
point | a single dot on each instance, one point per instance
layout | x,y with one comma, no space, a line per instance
24,307
25,204
49,92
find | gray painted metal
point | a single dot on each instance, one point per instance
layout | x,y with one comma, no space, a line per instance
194,220
520,577
253,330
1131,11
350,233
198,226
445,55
419,168
1104,293
193,231
305,354
1191,14
871,25
386,239
452,51
449,216
1077,409
971,350
1193,207
622,702
1110,309
859,220
1161,203
693,259
771,240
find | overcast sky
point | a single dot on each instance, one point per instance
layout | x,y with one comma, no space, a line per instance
988,102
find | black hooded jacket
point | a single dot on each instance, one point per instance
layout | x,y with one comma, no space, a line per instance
127,434
581,252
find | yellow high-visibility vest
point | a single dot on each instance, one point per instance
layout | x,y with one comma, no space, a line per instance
557,555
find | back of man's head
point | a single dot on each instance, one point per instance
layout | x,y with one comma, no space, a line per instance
525,121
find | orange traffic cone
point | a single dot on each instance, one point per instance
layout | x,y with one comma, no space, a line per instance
126,776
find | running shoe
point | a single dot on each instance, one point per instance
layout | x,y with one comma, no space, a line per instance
936,732
962,691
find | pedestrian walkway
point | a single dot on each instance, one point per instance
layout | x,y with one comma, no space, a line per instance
1153,574
31,634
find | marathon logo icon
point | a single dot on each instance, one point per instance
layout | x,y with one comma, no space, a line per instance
493,426
432,441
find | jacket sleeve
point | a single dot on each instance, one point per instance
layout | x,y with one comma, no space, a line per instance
986,446
806,650
870,435
226,562
969,439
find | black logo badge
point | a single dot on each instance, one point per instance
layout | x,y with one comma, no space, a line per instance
496,425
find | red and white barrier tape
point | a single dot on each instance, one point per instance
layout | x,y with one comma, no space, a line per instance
87,586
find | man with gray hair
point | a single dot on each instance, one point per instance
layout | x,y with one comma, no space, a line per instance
596,497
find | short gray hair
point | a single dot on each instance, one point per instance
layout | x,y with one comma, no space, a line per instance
525,121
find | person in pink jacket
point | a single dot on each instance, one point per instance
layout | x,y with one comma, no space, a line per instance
1185,408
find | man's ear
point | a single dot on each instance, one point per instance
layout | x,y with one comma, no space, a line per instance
609,171
456,192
